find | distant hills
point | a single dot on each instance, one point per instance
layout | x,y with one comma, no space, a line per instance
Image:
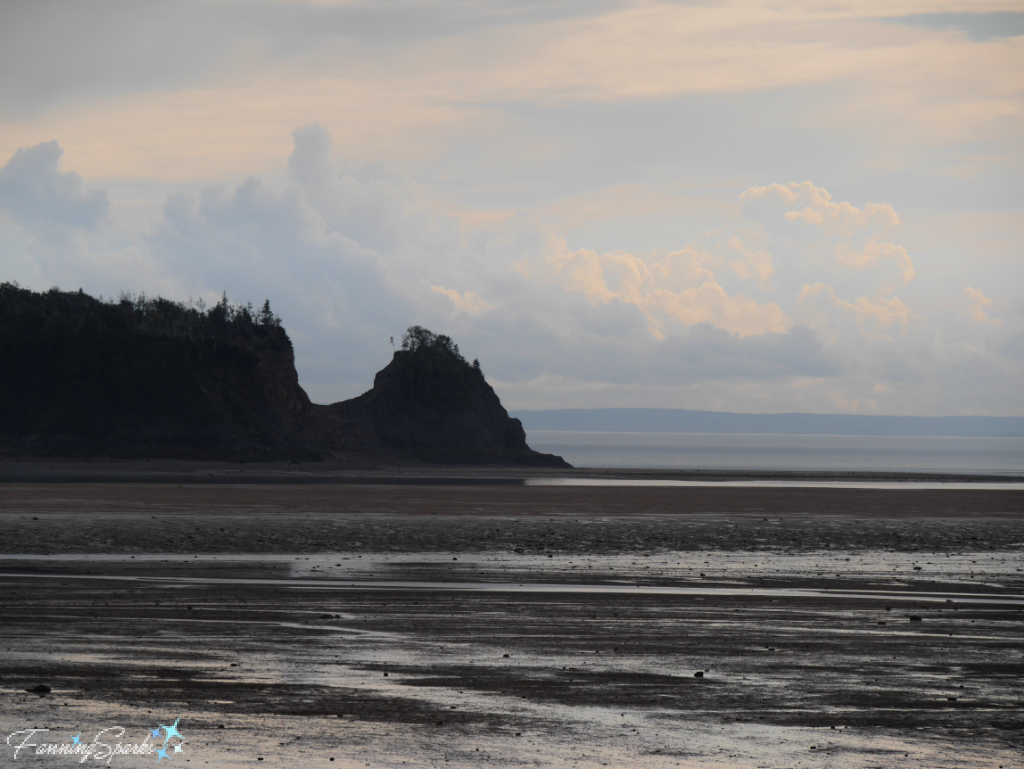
724,422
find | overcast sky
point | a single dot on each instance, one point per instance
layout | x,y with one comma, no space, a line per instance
735,206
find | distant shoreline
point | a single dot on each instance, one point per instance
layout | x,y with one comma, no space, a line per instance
642,420
170,471
535,430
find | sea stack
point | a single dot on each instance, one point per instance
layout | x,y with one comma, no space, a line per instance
430,401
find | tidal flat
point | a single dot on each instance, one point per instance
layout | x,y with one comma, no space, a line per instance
401,625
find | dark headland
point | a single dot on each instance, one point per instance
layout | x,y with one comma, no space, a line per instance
142,378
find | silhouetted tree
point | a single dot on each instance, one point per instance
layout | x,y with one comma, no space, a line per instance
266,317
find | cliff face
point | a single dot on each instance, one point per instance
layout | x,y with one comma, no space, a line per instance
429,402
153,378
145,378
423,403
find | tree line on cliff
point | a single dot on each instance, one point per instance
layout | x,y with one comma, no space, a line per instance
74,364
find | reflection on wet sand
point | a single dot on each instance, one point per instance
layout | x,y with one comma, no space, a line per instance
827,643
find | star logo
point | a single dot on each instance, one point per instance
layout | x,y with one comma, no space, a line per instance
172,731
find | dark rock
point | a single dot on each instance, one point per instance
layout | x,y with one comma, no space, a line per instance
430,403
40,689
146,378
699,674
914,618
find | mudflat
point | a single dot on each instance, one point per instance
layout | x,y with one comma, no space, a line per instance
391,624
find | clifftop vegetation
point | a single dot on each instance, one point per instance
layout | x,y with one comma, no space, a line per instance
77,365
432,374
142,377
62,311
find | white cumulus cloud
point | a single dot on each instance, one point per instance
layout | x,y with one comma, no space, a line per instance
976,304
788,305
46,202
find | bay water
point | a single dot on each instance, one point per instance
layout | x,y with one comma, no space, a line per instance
706,451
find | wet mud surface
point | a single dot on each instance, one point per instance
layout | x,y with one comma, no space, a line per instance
110,518
391,627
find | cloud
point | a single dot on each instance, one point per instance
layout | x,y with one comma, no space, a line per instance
752,262
46,202
979,26
880,314
759,313
874,252
975,308
466,302
856,237
713,353
1014,347
673,290
340,298
199,90
813,205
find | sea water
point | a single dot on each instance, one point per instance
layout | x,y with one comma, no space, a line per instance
704,451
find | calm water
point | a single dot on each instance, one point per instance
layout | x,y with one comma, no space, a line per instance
686,451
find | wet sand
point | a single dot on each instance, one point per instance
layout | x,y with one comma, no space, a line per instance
370,624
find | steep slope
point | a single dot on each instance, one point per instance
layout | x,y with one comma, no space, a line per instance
430,402
144,377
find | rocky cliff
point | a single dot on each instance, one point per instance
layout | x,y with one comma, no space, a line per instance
431,403
145,377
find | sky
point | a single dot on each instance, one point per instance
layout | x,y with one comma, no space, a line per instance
729,206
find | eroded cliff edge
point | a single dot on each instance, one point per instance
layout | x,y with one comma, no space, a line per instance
141,378
430,403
